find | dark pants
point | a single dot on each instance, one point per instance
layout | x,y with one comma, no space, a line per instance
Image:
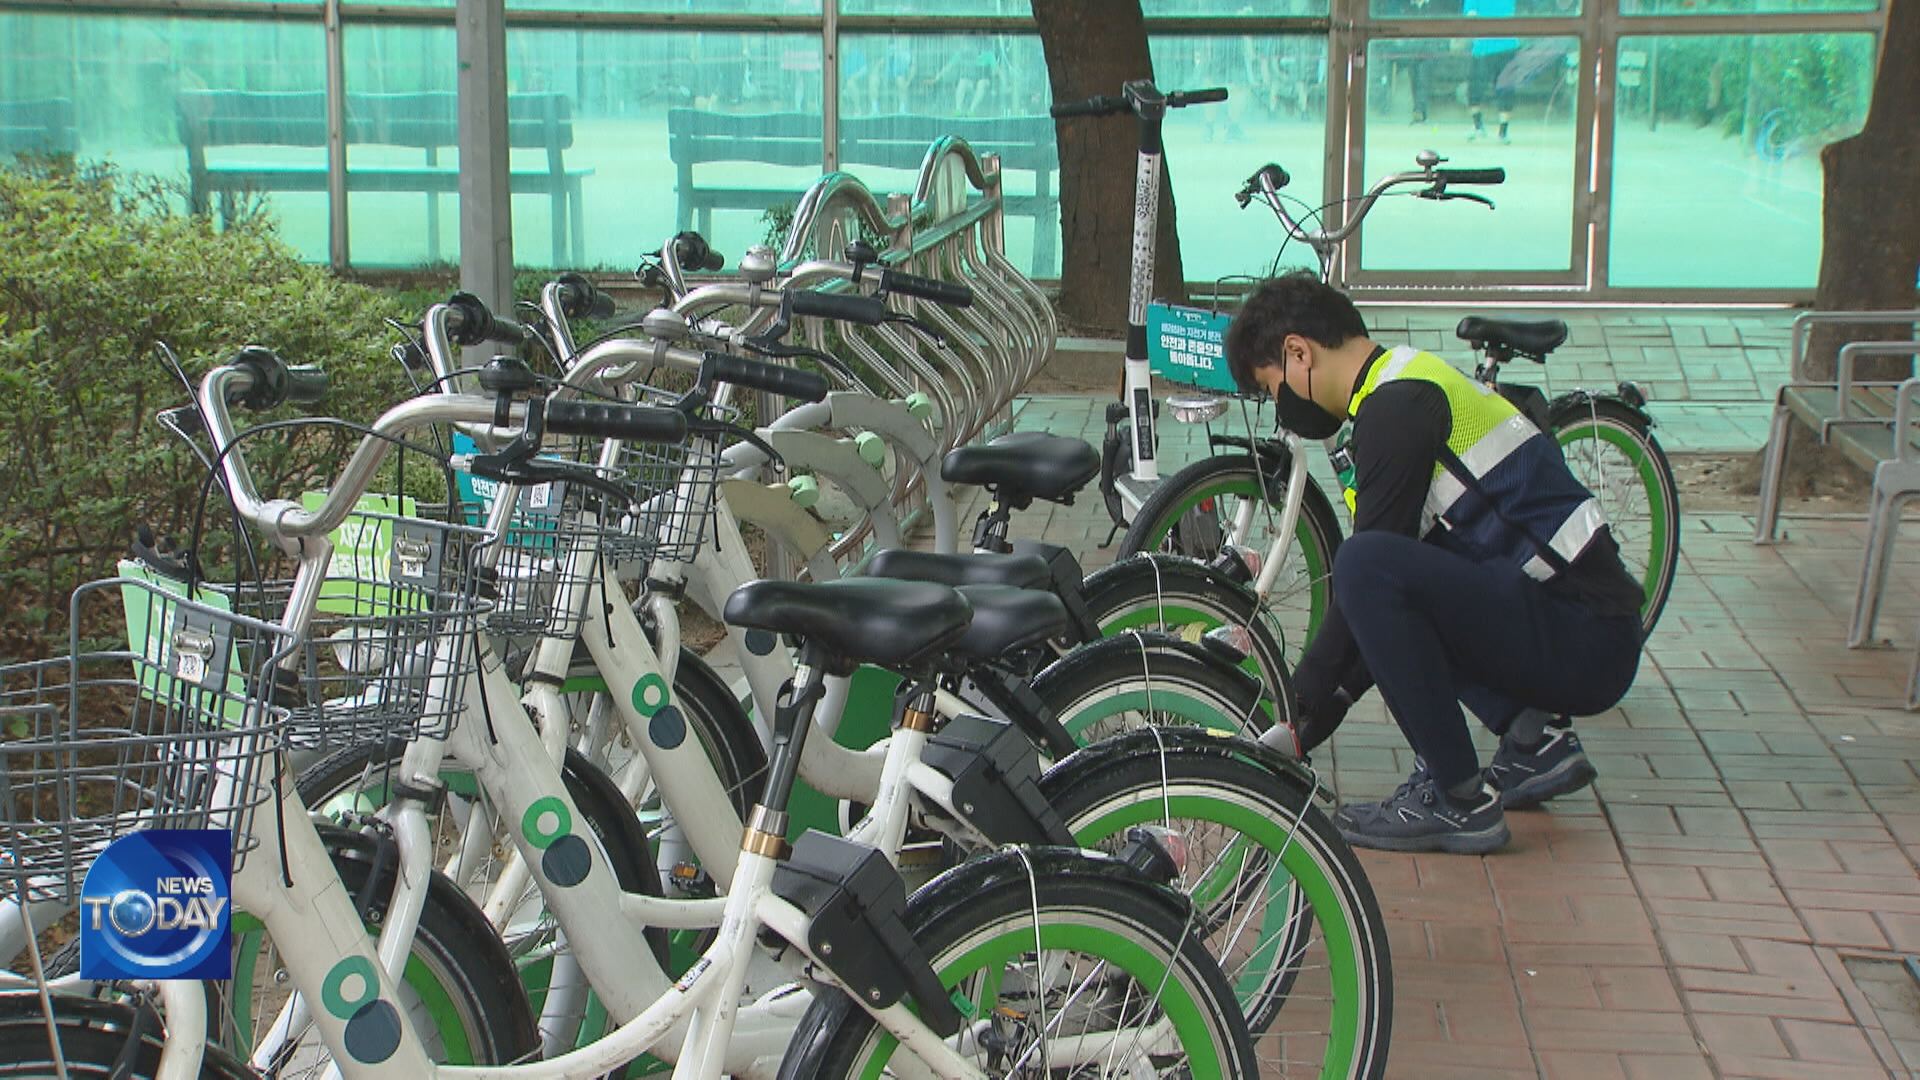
1483,82
1437,630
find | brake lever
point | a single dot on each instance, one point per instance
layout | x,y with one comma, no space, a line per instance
939,339
781,351
700,425
1470,196
538,471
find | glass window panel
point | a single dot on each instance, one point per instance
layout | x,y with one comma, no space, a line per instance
1477,9
112,89
656,7
618,88
1232,8
1716,165
402,85
1275,111
1741,7
1479,102
958,8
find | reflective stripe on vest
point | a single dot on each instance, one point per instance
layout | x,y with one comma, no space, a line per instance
1518,502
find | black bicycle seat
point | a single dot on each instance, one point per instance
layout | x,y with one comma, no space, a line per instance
985,568
1533,339
895,624
1005,619
1025,465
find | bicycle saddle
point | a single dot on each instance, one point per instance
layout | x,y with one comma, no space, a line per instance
1007,618
1533,339
895,624
1025,465
987,568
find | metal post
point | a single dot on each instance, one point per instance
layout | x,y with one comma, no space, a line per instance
336,139
486,206
830,83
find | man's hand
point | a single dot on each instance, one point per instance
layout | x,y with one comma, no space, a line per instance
1315,724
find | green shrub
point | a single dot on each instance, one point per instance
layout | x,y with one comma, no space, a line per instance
95,269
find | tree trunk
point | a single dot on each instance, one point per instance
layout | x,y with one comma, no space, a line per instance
1871,247
1092,47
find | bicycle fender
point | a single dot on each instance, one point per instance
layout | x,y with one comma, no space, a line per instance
1184,740
962,886
1150,564
1575,402
1153,643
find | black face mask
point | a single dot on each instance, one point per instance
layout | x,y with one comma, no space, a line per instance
1302,417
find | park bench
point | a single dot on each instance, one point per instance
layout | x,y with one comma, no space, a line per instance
38,126
696,137
1872,423
213,120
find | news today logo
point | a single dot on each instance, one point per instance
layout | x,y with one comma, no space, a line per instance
156,906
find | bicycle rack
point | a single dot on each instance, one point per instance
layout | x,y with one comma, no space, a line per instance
950,228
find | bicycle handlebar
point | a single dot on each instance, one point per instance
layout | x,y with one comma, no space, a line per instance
1470,176
1136,97
258,378
609,420
1271,178
1098,105
949,293
758,375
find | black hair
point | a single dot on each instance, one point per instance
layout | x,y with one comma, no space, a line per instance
1293,303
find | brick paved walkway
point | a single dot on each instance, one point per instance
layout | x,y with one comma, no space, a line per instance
1752,842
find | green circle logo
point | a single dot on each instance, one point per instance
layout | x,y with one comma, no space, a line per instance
546,820
650,695
333,992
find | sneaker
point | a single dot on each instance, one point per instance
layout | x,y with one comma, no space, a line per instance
1527,778
1476,134
1421,817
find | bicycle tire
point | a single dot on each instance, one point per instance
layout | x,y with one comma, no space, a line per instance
1186,599
1103,687
1174,521
1579,419
1260,811
982,915
459,972
94,1036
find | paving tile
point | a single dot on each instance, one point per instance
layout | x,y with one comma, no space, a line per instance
1841,1044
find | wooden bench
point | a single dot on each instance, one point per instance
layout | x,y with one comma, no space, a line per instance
39,126
696,137
428,122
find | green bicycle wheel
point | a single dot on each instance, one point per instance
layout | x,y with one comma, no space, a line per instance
1194,511
1048,952
1612,452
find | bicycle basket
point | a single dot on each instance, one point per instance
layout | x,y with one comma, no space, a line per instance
171,734
552,544
390,645
673,488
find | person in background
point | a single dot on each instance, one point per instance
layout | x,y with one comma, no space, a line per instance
1490,56
1479,570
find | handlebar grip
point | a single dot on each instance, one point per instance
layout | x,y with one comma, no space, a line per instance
582,299
1470,176
849,307
606,420
273,383
471,323
1103,105
756,375
940,292
694,253
1180,98
306,385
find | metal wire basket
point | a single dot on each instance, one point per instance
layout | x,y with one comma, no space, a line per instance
673,488
553,543
390,646
171,734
